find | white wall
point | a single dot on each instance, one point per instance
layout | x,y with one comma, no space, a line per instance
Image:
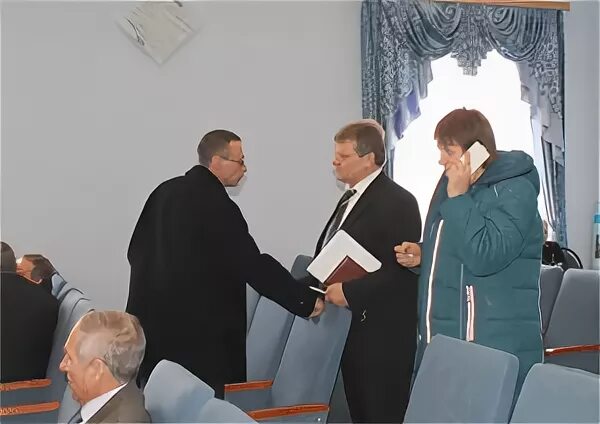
90,125
582,116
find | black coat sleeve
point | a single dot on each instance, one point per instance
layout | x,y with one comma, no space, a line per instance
229,234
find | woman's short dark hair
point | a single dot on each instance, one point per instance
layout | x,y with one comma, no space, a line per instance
464,127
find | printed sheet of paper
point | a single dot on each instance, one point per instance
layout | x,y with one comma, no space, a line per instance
158,28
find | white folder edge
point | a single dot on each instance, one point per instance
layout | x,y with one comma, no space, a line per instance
340,246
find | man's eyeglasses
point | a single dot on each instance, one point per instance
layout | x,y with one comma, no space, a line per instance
240,161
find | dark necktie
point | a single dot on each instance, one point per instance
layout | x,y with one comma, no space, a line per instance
76,419
337,216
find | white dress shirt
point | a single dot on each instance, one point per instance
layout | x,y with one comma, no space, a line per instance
89,409
360,188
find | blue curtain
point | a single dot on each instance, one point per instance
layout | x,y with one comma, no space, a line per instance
400,38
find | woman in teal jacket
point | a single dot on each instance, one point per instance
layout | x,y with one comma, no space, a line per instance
481,252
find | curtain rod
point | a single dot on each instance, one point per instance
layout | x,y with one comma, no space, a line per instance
534,4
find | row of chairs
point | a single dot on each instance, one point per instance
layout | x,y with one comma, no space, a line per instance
295,384
305,375
294,338
300,390
38,400
464,382
269,327
457,382
570,309
174,395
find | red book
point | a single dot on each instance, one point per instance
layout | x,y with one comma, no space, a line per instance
347,270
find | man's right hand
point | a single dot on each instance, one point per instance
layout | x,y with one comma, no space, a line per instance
319,308
408,254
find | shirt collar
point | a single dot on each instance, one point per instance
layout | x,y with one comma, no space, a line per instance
362,185
90,408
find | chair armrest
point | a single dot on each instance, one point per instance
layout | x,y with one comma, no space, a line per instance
250,395
296,413
25,384
25,392
31,413
571,349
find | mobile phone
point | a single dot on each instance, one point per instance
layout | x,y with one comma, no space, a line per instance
479,155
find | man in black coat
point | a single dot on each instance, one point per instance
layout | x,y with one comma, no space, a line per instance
191,256
28,319
378,358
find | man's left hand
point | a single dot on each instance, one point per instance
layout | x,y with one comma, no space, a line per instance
335,295
459,176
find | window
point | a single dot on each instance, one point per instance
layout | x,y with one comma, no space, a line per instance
495,92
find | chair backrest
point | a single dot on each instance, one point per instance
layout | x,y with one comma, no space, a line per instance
175,395
311,358
73,306
550,280
252,297
58,286
459,381
220,411
572,259
266,339
574,319
267,335
556,394
299,266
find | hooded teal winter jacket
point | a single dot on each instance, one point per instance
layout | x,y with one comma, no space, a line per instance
480,262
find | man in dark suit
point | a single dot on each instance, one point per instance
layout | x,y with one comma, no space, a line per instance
102,357
28,319
378,358
191,256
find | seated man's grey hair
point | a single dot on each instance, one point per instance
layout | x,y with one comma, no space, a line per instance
115,337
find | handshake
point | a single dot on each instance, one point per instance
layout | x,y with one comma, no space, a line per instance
408,254
334,294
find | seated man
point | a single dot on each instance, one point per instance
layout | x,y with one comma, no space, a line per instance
28,316
102,356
